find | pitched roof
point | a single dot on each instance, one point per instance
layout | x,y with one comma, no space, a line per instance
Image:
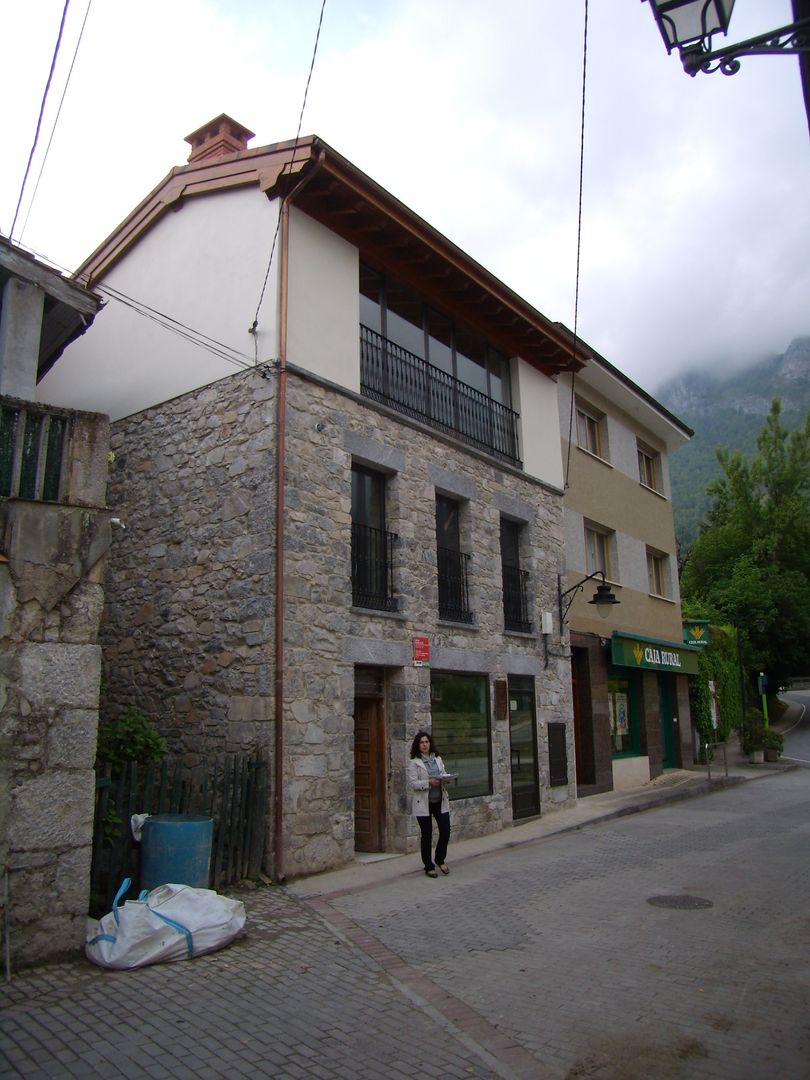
390,236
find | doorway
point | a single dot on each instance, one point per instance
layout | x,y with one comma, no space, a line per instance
369,759
523,747
668,709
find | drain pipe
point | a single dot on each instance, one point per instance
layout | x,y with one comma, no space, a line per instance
281,432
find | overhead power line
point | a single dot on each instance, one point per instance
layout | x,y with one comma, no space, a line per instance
41,112
292,159
56,120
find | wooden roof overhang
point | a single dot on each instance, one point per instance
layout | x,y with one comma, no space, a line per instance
389,236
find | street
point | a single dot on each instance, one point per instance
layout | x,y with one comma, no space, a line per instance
797,736
669,944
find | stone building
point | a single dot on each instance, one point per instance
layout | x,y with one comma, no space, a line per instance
630,665
54,535
339,469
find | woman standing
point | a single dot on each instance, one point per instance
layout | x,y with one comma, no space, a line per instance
430,800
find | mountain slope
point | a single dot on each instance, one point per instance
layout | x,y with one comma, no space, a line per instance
728,411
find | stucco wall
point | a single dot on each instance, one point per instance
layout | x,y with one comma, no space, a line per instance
203,263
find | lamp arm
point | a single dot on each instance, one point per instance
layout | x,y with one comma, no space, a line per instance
574,589
794,38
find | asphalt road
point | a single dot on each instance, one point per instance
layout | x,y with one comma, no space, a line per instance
797,736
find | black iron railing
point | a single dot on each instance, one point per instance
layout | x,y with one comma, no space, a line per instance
372,568
454,597
32,451
516,600
396,377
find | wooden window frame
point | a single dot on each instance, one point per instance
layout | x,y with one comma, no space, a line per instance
657,573
649,467
590,431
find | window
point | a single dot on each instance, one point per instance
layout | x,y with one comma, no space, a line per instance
649,468
460,726
515,580
623,712
597,550
590,431
451,562
433,367
372,545
657,573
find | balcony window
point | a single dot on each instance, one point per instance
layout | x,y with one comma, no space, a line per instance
515,580
372,544
452,564
431,367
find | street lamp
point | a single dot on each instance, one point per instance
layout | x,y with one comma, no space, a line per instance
603,598
689,26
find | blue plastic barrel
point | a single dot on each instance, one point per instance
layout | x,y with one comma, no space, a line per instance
176,848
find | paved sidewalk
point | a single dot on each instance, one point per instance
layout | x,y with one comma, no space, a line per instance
671,786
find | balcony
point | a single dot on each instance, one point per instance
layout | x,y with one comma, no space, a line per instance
397,378
516,600
454,597
32,453
372,568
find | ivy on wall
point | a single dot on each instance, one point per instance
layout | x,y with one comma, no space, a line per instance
718,662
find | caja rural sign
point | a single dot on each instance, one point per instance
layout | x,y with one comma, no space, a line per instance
652,655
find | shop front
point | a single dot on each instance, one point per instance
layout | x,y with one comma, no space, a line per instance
631,709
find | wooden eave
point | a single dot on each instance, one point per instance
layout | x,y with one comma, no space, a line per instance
389,236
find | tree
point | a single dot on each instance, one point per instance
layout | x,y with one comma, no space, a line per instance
750,566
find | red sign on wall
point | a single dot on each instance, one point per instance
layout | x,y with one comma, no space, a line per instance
421,652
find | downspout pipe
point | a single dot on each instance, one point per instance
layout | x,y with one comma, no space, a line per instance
281,434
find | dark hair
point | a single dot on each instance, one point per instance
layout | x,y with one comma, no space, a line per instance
415,751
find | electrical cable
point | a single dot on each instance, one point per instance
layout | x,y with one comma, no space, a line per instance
56,121
255,323
579,238
189,333
41,112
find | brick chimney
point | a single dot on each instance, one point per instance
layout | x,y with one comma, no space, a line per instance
218,138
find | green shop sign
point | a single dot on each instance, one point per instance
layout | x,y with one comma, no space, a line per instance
650,654
696,631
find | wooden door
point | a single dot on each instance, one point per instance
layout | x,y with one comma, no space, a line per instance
369,775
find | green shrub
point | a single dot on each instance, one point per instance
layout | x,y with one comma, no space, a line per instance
752,731
773,740
130,738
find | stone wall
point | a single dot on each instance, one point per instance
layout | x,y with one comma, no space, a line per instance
51,600
189,627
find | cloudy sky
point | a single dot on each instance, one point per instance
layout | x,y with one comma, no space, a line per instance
696,198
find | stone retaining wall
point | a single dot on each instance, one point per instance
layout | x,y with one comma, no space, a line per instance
51,601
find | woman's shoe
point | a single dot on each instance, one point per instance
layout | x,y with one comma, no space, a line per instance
431,873
444,869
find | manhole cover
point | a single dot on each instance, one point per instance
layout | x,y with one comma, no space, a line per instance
682,903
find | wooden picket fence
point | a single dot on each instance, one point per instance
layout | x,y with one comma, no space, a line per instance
231,789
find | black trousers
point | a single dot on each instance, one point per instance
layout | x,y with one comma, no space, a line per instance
426,828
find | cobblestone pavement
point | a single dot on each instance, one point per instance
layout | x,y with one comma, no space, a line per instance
291,999
555,947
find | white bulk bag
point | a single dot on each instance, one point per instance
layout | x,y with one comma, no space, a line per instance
172,922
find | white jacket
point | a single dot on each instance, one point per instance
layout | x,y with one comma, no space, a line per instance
419,781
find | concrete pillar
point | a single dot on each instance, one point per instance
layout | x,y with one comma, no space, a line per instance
20,331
